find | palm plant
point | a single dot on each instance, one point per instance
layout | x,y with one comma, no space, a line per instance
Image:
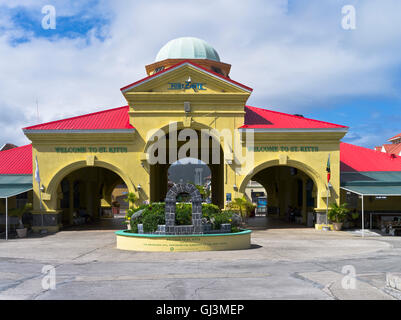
337,212
132,198
241,205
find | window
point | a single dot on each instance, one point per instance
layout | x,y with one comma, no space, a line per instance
158,69
217,70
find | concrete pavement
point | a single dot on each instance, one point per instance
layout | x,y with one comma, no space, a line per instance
284,263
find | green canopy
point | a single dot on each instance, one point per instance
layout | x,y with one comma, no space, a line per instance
372,183
12,185
375,190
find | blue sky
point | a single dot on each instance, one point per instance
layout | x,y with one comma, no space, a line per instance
294,54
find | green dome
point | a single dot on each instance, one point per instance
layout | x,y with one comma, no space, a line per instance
187,48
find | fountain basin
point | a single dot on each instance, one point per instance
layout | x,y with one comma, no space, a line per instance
183,243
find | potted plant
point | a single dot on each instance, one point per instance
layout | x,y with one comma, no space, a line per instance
337,214
19,212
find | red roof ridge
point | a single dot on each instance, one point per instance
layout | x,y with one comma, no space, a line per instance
192,63
298,117
75,117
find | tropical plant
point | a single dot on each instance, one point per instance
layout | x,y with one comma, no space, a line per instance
241,205
337,212
205,193
132,198
19,212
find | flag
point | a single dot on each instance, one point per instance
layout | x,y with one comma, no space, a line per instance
328,169
37,177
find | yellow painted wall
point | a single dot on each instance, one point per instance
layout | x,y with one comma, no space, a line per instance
184,243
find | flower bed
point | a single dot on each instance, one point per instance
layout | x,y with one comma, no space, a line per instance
153,215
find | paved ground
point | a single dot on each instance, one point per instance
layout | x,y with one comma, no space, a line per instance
285,262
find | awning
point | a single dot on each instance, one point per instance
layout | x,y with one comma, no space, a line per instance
372,183
12,185
387,191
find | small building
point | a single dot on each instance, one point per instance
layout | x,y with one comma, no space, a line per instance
394,147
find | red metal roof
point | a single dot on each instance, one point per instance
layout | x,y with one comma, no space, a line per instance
16,161
180,64
111,119
354,158
258,118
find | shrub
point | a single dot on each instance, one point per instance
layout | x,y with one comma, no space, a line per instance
153,215
337,213
183,214
242,206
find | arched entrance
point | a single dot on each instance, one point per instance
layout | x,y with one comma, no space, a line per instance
85,195
209,151
291,193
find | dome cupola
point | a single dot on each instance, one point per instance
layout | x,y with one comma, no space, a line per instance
187,48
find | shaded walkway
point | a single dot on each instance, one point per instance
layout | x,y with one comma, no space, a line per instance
263,223
116,223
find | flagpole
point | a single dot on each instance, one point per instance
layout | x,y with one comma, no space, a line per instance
37,178
327,204
328,189
40,202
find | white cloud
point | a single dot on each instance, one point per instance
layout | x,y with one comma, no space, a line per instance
294,56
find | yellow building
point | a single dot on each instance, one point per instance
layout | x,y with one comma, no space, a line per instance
187,93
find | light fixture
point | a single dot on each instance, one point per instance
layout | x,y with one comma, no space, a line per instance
42,188
189,79
235,186
139,187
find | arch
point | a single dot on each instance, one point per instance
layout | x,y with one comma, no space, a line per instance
63,172
158,190
275,163
180,126
170,208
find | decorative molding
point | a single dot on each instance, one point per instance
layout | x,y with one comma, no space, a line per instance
283,159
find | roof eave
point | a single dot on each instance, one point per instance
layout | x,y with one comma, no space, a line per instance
266,130
179,65
78,131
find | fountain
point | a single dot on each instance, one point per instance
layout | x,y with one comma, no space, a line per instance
195,237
